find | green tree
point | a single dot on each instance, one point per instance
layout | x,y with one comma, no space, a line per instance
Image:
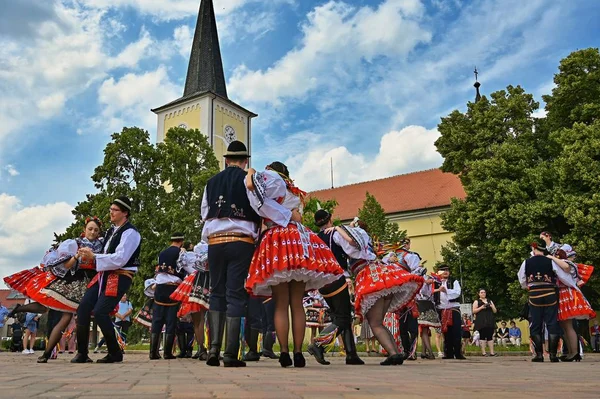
311,206
380,228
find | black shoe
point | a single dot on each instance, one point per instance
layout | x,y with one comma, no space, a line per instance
216,326
318,354
351,355
268,342
299,360
81,358
110,358
552,347
574,358
154,343
232,343
285,360
251,356
182,343
202,354
460,357
393,360
44,358
168,350
539,349
269,354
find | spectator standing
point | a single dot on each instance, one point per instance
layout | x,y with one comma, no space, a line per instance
484,310
514,334
595,334
3,315
123,316
502,334
466,331
31,320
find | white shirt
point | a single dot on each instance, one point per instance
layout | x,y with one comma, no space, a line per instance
413,261
130,240
166,278
562,275
352,251
451,293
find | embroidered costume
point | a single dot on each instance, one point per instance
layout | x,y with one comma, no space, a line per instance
194,291
51,284
317,311
287,250
144,315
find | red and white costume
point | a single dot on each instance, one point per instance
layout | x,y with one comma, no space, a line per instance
194,290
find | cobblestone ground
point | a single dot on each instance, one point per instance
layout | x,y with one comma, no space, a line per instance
137,377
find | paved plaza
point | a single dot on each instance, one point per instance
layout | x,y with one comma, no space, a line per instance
137,377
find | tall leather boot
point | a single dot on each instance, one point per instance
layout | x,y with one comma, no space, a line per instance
154,344
538,346
83,338
252,341
169,341
553,347
268,342
115,354
216,325
351,355
232,344
327,336
182,343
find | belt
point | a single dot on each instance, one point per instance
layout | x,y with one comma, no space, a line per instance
343,287
223,238
122,272
166,304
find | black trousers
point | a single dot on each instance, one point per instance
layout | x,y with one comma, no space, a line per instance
452,337
95,301
340,307
543,310
261,314
164,310
409,330
228,264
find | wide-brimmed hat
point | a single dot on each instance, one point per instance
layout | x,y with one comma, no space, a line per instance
322,217
237,149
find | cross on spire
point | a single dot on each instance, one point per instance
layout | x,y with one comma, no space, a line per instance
477,84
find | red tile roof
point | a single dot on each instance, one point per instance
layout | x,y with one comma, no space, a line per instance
402,193
10,298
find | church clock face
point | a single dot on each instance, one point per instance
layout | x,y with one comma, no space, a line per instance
183,125
229,133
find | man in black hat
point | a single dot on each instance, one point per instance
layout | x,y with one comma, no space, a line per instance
116,267
540,275
449,306
168,275
231,228
337,297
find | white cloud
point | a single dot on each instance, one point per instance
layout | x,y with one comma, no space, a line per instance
407,150
27,232
11,170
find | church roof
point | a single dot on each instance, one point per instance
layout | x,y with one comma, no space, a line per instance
205,69
416,191
183,99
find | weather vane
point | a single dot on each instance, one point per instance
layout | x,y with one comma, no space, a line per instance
476,73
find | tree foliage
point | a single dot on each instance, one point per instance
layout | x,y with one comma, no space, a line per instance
311,206
380,228
523,175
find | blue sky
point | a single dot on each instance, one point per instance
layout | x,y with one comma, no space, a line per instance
362,82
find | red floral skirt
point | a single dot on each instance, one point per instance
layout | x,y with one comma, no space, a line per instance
585,271
378,280
193,293
291,253
144,315
45,288
573,305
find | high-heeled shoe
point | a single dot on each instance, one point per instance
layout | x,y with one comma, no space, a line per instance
575,358
285,360
299,360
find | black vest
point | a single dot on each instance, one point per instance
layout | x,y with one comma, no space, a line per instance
113,243
227,198
538,271
167,262
338,252
450,285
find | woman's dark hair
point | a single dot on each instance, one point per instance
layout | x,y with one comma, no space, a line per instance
94,219
363,225
280,168
481,289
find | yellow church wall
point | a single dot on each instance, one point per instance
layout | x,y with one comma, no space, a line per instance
190,116
225,117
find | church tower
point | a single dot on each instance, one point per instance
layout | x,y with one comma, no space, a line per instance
204,104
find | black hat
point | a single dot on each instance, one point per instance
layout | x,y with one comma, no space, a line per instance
237,149
177,236
539,244
123,203
443,268
322,217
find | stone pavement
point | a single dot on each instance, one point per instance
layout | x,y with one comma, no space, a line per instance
137,377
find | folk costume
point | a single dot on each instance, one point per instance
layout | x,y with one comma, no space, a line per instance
428,315
337,297
376,280
168,275
144,315
231,228
317,310
449,307
540,276
116,266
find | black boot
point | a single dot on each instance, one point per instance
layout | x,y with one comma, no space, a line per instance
232,344
44,358
351,355
181,342
154,344
115,354
83,337
538,346
553,347
317,350
216,325
268,342
252,341
169,341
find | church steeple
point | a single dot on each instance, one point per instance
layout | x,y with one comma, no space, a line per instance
477,85
205,69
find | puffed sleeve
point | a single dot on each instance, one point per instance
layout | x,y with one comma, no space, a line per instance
269,186
55,260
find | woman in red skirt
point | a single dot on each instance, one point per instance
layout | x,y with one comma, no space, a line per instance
290,259
380,287
193,293
59,282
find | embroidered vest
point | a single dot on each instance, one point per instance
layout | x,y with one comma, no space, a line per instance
538,271
338,252
113,242
227,198
167,262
